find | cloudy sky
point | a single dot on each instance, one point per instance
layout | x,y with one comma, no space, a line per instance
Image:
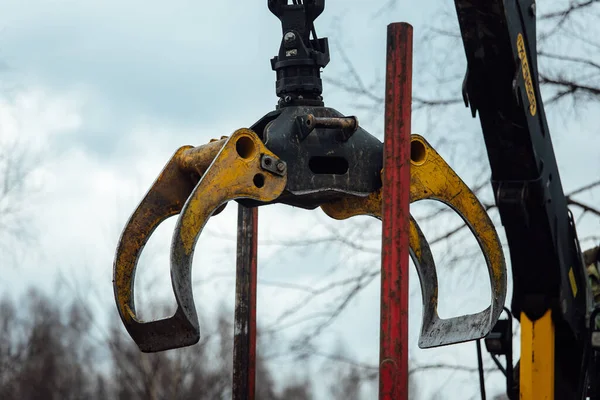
103,92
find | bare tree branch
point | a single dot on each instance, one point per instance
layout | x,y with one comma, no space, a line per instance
562,57
569,87
585,207
584,188
571,9
438,366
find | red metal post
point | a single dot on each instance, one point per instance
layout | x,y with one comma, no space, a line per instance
393,357
244,346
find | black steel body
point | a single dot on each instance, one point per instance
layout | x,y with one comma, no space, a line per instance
501,84
333,159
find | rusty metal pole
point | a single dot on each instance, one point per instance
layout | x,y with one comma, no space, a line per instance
393,357
244,342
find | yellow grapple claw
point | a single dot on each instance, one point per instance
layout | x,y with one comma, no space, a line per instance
196,183
432,178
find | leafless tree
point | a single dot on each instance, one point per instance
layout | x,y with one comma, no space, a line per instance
49,350
16,165
44,352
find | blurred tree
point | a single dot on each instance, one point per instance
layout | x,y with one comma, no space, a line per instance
16,165
48,350
44,350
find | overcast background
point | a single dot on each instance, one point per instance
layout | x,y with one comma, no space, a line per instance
103,93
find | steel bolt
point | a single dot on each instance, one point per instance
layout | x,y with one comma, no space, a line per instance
280,166
289,37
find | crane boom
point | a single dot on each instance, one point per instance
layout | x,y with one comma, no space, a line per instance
550,295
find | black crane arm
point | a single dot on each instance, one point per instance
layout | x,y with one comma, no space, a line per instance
549,279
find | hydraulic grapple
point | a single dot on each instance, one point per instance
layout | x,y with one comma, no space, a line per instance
307,155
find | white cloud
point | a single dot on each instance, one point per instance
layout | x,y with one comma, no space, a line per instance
36,115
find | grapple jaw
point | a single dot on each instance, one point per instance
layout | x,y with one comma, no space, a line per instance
165,198
432,178
436,331
195,184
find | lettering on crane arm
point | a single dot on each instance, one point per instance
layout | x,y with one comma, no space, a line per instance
526,74
573,283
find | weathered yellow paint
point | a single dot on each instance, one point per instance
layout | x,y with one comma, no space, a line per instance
198,159
164,199
537,358
432,178
526,74
224,175
413,239
371,205
351,206
229,177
